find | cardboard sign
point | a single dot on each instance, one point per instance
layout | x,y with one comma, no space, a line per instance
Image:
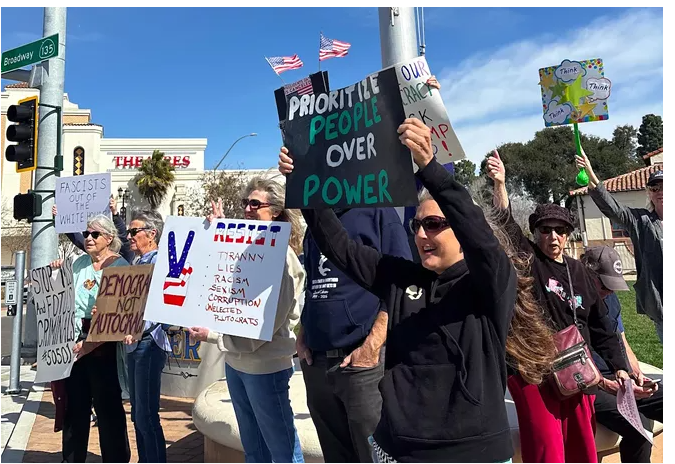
54,300
79,198
574,92
225,276
426,104
346,149
120,304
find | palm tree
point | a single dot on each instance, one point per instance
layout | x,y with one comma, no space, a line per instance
154,178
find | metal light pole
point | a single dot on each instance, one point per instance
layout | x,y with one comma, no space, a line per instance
15,360
252,134
124,196
44,240
398,42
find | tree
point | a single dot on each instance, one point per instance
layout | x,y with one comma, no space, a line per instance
465,172
624,139
16,235
544,167
650,134
214,185
154,178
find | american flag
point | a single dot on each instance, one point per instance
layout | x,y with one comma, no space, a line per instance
284,63
330,48
302,87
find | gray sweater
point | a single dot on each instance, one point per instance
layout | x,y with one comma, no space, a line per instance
646,233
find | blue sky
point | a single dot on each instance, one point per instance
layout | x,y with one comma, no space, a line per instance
180,72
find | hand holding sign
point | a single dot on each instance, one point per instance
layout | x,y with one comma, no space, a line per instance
417,137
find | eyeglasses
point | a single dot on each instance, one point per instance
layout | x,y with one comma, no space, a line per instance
430,224
136,230
546,230
95,234
254,204
655,188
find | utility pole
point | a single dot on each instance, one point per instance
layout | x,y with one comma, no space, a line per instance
44,240
398,34
398,42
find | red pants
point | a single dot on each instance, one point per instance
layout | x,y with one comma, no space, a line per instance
552,430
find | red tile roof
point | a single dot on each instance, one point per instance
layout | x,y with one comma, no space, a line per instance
654,153
18,85
630,182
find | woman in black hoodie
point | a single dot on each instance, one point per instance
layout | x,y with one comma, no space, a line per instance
445,380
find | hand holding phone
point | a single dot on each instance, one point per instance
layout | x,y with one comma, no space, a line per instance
649,383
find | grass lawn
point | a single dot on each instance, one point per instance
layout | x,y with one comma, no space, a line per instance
640,331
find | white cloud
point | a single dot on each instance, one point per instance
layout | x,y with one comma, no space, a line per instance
495,98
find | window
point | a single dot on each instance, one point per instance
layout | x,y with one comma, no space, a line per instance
618,231
78,161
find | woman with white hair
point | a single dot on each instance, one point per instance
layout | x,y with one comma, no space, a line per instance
645,226
97,375
258,372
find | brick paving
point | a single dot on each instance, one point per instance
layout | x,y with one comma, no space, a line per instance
184,443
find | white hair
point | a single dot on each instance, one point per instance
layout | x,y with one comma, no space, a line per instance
105,225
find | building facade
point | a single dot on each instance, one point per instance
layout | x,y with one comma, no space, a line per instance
86,151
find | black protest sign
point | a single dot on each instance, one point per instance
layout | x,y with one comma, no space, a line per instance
346,149
315,83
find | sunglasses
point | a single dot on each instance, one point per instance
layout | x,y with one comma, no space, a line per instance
136,230
254,204
655,188
546,230
430,224
95,234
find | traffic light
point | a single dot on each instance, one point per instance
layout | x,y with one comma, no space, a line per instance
27,206
24,132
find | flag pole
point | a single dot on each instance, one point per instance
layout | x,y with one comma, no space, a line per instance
275,71
320,34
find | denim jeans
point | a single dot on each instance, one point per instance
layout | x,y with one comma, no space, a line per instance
263,409
145,377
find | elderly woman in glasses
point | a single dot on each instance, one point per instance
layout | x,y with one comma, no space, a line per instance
146,357
97,373
552,430
258,372
645,226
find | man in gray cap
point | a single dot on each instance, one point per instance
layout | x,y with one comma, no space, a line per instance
605,263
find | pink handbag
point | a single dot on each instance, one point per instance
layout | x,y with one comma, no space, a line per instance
574,370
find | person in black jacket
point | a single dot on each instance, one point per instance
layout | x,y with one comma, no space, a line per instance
445,368
552,430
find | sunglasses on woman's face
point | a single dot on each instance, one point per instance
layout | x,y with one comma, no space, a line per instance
546,230
136,230
95,234
430,224
253,203
655,188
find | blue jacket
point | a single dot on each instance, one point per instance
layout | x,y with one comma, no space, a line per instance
339,313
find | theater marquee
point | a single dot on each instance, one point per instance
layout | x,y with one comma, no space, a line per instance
134,159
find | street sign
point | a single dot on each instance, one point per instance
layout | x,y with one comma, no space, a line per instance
11,287
34,52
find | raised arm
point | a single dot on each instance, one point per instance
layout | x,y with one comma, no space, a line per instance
500,201
604,200
484,256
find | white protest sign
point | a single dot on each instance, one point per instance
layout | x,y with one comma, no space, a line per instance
425,103
54,299
626,405
224,276
79,198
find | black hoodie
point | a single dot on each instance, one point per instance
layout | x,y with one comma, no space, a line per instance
445,370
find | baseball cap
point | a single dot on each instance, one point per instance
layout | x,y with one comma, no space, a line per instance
606,263
656,176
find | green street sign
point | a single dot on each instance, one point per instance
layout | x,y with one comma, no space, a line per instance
34,52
